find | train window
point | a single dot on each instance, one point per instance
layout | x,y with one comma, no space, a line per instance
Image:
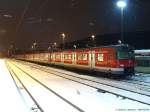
100,57
82,57
45,56
58,57
79,57
123,55
67,57
143,63
52,56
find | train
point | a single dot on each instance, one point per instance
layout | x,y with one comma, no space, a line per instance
142,58
115,60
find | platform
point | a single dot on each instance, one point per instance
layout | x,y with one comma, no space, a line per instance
10,99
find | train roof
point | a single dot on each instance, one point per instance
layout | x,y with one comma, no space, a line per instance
142,51
117,46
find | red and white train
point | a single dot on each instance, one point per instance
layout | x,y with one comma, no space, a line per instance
116,60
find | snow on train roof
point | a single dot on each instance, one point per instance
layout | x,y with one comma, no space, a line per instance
142,51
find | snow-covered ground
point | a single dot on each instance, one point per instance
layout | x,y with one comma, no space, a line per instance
104,82
88,99
47,100
10,99
142,77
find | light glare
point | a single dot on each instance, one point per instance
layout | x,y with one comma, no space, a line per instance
121,4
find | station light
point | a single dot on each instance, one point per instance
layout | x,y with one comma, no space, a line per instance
93,37
121,4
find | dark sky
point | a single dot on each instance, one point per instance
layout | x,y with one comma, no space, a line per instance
23,22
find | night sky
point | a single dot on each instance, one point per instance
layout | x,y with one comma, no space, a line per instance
23,22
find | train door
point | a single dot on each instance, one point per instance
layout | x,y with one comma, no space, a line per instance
74,57
49,57
92,58
111,58
62,57
108,59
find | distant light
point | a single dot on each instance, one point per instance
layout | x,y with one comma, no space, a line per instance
119,42
93,36
7,16
34,44
75,46
63,35
121,4
55,43
49,47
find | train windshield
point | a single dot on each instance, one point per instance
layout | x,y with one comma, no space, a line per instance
125,55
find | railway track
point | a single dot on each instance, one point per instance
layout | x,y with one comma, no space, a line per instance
139,80
139,96
42,84
129,80
144,79
138,84
14,76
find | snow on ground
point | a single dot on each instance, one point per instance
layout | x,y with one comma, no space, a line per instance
142,77
47,100
10,99
85,97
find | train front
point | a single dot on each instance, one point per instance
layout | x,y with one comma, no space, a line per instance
126,59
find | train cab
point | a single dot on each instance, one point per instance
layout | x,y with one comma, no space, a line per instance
126,59
114,59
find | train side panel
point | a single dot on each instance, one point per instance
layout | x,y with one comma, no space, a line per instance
111,60
106,61
83,59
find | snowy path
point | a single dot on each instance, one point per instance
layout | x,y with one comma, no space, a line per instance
10,99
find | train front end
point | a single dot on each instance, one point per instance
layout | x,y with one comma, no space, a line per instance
126,60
